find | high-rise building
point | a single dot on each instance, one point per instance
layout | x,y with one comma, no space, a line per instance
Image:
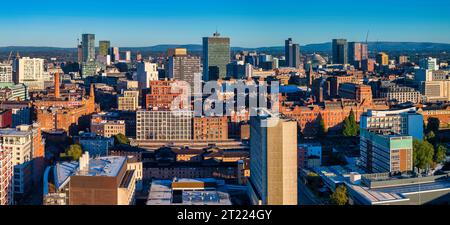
429,64
6,176
184,68
88,47
30,71
146,72
403,122
357,52
216,57
382,59
104,47
292,54
115,54
402,59
386,152
340,51
6,74
164,125
273,165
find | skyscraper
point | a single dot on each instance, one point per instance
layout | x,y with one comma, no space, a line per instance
357,52
340,51
88,47
273,165
292,54
104,48
382,59
115,54
216,57
184,67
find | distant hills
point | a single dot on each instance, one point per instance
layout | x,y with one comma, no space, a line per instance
321,47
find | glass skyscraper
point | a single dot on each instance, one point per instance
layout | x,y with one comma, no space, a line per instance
88,46
216,57
340,51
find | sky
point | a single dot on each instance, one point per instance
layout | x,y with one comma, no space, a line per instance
249,23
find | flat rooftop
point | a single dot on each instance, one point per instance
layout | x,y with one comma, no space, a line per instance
102,166
336,175
161,193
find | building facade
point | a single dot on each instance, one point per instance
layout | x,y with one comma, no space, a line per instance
216,57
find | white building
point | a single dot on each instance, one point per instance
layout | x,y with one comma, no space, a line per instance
30,71
429,64
146,72
6,73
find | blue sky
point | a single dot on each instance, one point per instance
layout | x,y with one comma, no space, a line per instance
249,23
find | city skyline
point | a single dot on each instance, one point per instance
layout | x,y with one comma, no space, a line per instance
246,23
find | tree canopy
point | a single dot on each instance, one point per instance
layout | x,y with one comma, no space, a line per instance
351,128
322,129
340,197
440,154
74,151
423,154
121,139
433,125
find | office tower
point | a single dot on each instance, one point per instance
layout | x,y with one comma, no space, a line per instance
139,56
273,150
216,56
177,51
88,47
115,54
340,51
146,72
386,152
382,59
402,122
292,54
184,68
429,64
357,52
30,71
6,176
104,47
6,74
125,56
164,125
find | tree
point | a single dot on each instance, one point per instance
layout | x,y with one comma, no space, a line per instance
433,125
339,197
440,154
430,137
351,128
322,129
121,139
423,153
74,151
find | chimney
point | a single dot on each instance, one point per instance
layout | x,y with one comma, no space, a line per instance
57,85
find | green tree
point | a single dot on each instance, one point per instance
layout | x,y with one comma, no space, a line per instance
440,154
121,139
433,125
351,128
340,197
74,151
423,154
322,129
431,137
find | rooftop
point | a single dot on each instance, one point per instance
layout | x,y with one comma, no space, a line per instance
162,193
103,166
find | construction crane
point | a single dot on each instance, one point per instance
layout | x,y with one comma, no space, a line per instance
9,57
